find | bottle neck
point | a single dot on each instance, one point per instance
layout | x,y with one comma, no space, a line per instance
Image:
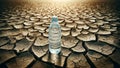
54,19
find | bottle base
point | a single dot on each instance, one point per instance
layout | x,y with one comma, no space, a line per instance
54,51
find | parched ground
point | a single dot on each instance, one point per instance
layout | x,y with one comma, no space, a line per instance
90,35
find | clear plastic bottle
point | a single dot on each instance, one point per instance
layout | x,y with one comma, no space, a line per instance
54,36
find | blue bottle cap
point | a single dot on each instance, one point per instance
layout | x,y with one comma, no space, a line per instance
54,19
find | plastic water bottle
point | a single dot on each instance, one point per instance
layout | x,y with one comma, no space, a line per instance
54,36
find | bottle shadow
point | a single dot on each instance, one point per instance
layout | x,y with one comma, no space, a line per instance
55,59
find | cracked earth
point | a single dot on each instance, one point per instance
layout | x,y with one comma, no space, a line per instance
90,36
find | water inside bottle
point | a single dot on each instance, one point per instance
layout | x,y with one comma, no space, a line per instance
54,36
